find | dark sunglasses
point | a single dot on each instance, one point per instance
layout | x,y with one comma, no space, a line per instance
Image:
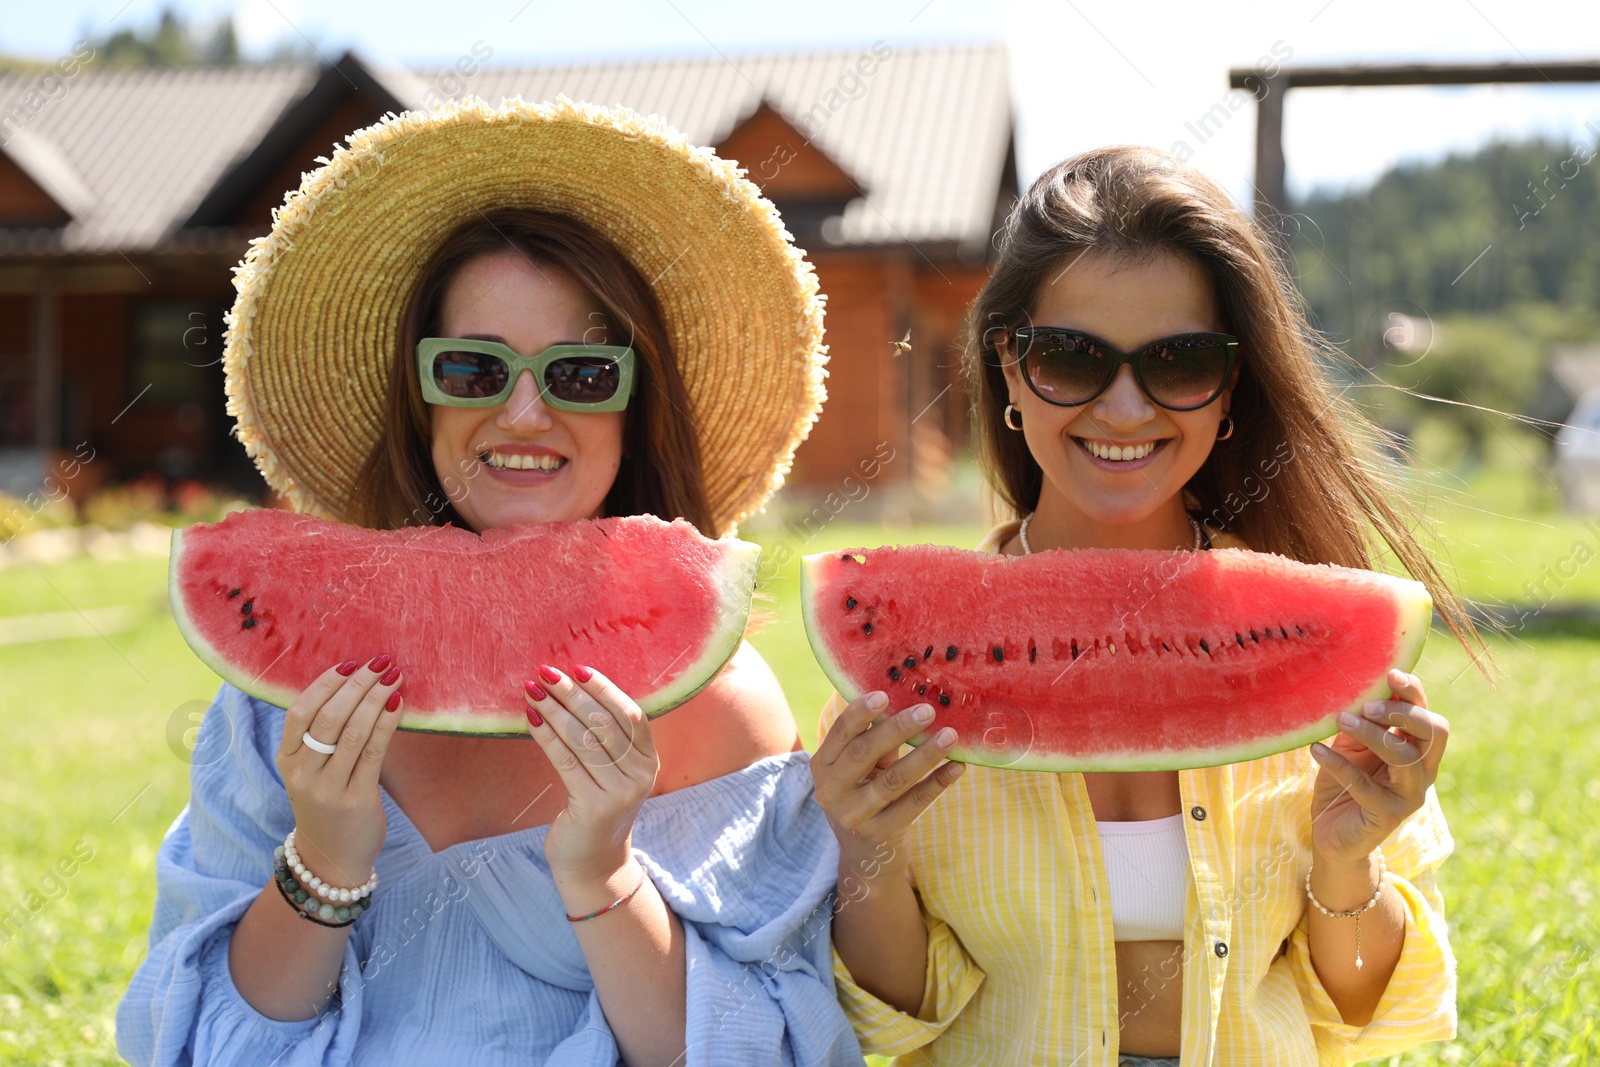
481,374
1069,368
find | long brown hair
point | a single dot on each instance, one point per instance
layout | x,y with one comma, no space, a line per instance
1301,475
660,473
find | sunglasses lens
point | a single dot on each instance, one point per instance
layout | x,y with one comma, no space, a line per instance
583,379
1064,369
469,375
1186,373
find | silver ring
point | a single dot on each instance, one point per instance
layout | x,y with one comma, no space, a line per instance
312,742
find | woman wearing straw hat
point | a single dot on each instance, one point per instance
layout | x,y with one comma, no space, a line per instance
489,316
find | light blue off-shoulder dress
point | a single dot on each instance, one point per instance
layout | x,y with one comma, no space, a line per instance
466,955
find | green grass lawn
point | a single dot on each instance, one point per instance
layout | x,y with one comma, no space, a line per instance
92,775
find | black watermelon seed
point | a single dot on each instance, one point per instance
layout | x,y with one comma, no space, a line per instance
944,699
894,674
1205,647
1254,638
998,654
1033,653
245,610
1299,631
1166,646
1239,638
1284,632
922,690
1074,650
249,623
927,653
911,661
233,594
849,603
950,653
866,629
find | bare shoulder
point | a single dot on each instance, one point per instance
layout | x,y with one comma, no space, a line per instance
739,718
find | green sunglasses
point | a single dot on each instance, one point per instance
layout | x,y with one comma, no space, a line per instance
480,374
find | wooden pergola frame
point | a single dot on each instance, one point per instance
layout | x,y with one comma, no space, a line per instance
1269,90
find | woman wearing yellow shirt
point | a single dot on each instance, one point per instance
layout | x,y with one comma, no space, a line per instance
1281,911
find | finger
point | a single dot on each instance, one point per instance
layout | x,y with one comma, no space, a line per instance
364,777
310,700
1368,794
857,717
568,709
863,753
910,769
631,733
574,772
327,725
357,729
1392,748
1429,732
1407,687
904,812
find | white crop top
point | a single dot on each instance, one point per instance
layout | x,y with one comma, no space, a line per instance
1147,870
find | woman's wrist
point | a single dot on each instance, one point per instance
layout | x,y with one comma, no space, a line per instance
585,891
1343,885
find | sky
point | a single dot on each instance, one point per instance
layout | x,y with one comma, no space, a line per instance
1084,73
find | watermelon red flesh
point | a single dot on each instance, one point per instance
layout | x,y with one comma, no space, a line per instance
1112,659
271,599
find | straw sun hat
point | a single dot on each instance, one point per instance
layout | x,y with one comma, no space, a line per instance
312,334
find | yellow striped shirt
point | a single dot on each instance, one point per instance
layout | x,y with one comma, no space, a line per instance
1021,958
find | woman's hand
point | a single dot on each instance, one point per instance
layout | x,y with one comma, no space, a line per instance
870,794
599,743
339,821
1376,772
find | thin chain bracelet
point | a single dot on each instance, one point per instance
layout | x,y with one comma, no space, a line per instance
614,904
1356,913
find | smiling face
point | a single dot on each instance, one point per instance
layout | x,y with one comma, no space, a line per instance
1090,496
568,460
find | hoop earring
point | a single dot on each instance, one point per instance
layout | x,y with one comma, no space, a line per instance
1224,436
1010,411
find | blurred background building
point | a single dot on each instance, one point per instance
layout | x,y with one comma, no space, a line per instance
125,204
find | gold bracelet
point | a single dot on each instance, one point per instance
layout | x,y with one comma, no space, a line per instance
1355,913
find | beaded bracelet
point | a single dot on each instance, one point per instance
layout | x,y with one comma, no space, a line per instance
614,904
1354,913
337,906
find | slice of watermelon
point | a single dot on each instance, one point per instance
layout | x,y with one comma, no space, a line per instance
270,599
1112,659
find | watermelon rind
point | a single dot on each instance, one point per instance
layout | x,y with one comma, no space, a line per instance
1414,617
207,654
734,581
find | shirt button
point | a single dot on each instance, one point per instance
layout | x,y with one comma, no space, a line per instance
1222,948
1198,812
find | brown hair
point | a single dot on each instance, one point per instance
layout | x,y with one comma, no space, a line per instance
1301,474
660,473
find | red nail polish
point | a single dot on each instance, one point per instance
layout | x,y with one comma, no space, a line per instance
534,717
534,690
377,665
549,673
348,667
393,701
582,674
389,678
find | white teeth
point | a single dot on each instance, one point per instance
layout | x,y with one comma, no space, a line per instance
1116,452
513,461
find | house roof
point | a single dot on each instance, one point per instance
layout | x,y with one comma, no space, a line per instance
144,146
925,132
